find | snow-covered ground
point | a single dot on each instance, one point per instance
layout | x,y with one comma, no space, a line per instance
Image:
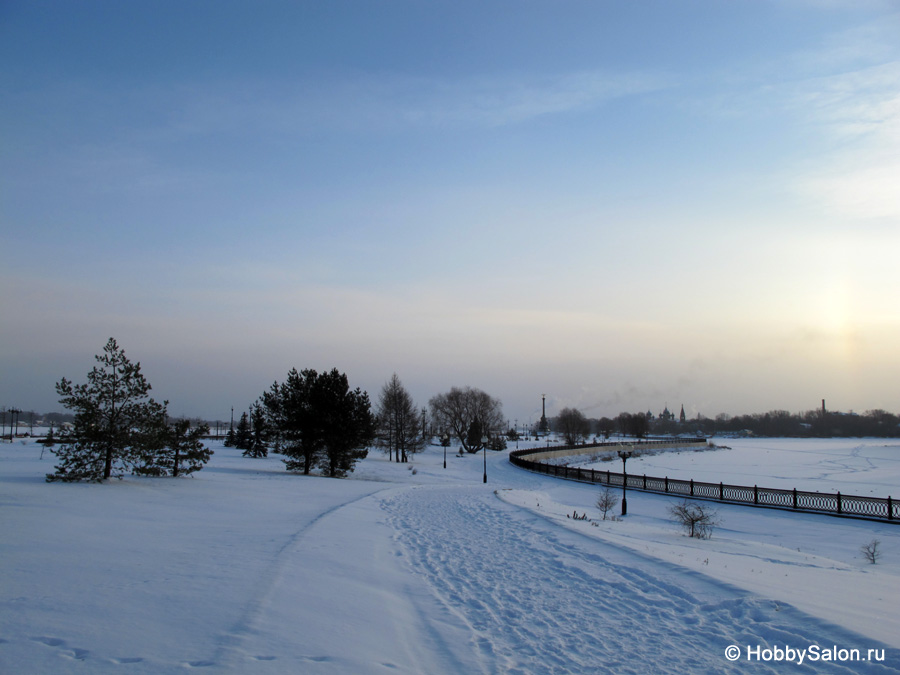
869,466
244,568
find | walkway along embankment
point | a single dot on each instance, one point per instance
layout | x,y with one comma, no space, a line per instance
829,503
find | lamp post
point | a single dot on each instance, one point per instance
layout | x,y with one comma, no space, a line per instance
484,451
625,454
445,441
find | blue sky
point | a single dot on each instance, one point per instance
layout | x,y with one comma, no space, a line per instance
621,205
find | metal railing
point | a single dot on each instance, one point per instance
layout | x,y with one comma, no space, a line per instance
831,503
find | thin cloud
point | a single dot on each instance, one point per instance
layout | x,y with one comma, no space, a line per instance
860,113
387,102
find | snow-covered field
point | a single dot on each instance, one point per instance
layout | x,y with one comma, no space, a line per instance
857,466
244,568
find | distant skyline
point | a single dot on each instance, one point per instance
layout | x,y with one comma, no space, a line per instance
618,205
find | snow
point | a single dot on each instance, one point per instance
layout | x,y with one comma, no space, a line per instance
868,467
245,568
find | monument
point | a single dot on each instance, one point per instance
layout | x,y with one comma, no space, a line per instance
544,425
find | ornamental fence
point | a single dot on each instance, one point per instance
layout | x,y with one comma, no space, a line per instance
836,504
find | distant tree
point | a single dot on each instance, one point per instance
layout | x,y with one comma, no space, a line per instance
466,411
639,425
243,436
633,424
623,423
399,423
496,442
259,434
50,439
475,435
573,425
606,426
59,419
316,420
116,425
183,451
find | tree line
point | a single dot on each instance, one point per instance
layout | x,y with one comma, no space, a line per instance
314,420
317,421
575,427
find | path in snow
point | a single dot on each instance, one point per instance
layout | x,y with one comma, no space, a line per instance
539,599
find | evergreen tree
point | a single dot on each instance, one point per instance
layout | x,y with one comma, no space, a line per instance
116,425
290,419
316,420
186,448
474,435
259,434
243,438
344,422
50,440
183,451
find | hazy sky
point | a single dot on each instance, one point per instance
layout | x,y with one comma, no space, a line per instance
620,204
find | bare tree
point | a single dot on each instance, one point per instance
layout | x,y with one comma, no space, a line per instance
606,426
469,414
399,423
698,520
607,501
870,551
573,425
635,424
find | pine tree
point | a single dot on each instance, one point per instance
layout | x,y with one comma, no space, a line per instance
316,420
182,452
291,421
345,422
50,440
259,435
116,426
186,448
242,435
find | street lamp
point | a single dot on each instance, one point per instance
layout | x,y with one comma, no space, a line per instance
625,454
484,450
445,441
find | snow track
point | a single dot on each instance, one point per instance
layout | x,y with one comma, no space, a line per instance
540,599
